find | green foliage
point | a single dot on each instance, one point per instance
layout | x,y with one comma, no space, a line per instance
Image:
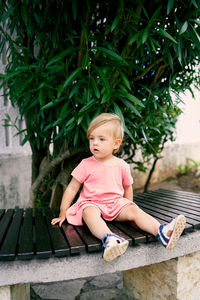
70,60
191,166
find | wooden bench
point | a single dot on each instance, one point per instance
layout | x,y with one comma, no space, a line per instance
27,236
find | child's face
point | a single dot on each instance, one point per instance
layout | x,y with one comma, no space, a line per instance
101,142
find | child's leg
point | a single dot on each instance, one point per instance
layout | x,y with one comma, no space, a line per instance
97,226
113,245
142,219
166,234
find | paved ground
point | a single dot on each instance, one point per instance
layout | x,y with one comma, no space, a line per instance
104,287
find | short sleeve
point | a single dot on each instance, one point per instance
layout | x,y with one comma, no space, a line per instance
127,177
79,173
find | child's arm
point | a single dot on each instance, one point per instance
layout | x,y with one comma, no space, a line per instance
128,192
67,199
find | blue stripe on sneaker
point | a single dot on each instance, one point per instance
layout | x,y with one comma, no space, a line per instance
163,237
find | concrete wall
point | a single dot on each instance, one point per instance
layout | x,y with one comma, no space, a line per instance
15,160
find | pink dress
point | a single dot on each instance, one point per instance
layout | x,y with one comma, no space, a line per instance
102,188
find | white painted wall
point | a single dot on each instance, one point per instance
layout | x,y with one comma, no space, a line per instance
188,126
187,144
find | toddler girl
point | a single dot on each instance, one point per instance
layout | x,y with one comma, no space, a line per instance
107,192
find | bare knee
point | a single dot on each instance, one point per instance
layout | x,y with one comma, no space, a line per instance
129,213
90,211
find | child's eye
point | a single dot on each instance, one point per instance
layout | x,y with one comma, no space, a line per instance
102,139
91,138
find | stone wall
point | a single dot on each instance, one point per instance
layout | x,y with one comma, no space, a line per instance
175,279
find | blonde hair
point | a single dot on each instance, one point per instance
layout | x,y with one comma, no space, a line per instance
117,130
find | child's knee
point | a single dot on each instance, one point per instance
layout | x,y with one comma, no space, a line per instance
90,211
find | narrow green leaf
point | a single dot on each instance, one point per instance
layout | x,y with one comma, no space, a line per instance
145,12
152,43
115,22
129,133
144,135
170,59
132,98
24,13
145,35
7,14
184,27
69,80
53,124
154,17
118,112
103,77
111,53
196,33
131,107
85,60
95,88
167,35
69,122
76,136
65,111
74,9
87,106
105,98
170,5
125,80
51,104
134,38
179,53
61,55
195,4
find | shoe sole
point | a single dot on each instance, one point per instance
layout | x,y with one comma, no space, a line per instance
113,251
178,229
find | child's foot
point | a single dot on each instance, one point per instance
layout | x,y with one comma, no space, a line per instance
168,234
113,246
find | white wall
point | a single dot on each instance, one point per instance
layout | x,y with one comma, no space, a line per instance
188,126
187,144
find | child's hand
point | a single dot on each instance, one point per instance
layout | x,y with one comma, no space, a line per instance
59,220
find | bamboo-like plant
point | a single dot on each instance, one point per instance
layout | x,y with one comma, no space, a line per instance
69,60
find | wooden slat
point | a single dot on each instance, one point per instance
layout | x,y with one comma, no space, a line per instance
26,245
192,198
164,217
2,212
136,236
170,198
166,202
4,224
76,244
171,209
91,242
119,232
59,243
43,244
9,247
172,205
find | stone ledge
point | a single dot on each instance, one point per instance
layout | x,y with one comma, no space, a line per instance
85,265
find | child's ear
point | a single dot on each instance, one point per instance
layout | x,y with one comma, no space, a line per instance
117,143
